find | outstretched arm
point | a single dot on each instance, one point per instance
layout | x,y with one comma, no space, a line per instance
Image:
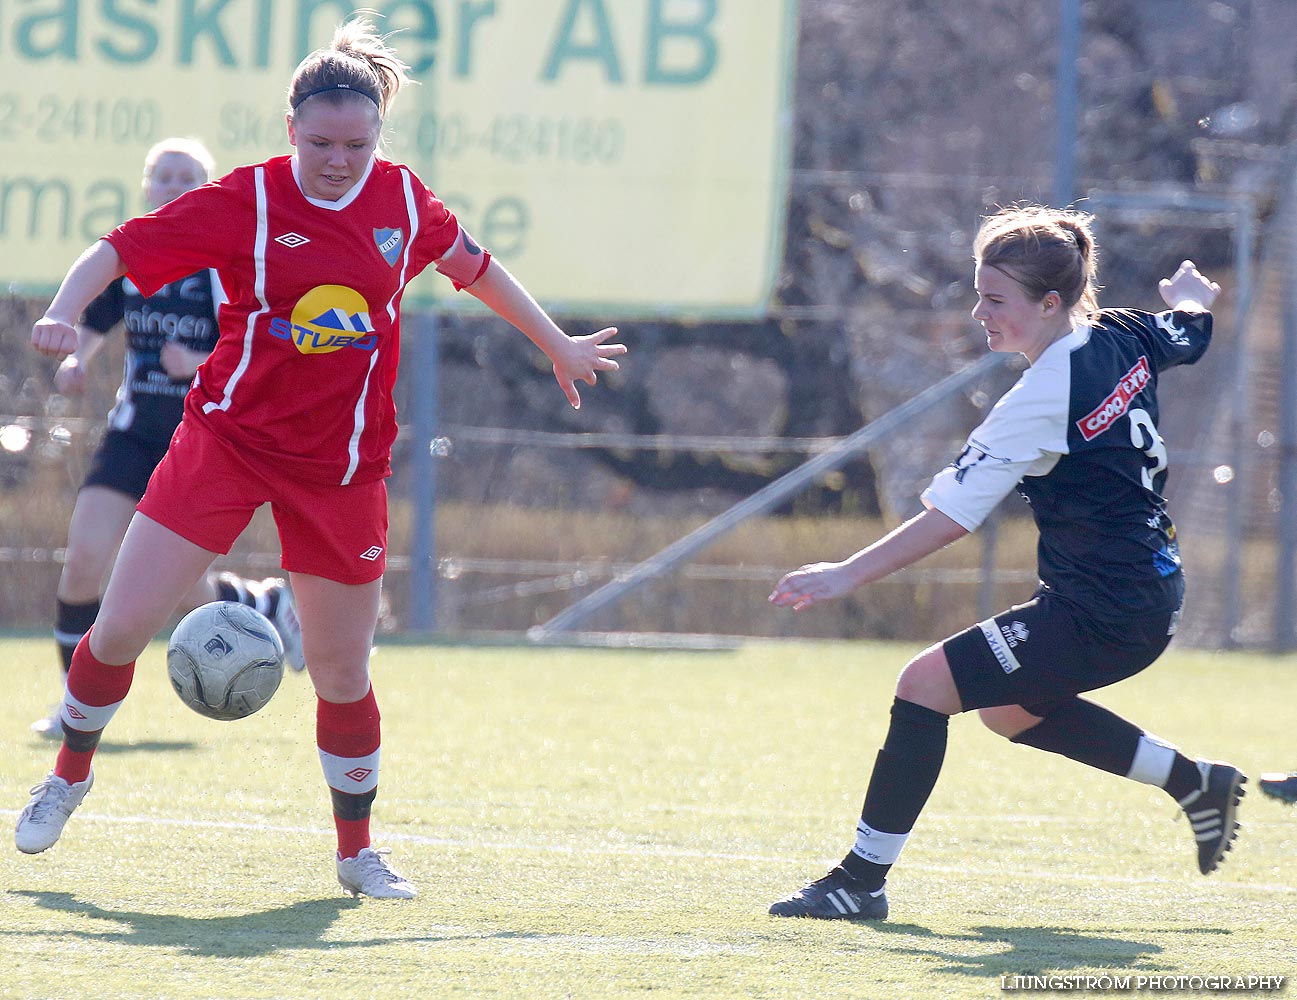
918,537
55,333
575,359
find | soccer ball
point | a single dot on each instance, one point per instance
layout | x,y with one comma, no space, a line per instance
225,660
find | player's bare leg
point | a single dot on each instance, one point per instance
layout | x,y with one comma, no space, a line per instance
338,622
153,566
99,521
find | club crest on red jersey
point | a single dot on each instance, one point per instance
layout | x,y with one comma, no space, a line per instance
389,243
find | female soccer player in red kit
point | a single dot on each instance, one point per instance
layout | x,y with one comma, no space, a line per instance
294,408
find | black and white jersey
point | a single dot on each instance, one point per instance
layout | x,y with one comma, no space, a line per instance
1078,436
149,401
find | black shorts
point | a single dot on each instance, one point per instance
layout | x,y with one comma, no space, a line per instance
124,462
1047,650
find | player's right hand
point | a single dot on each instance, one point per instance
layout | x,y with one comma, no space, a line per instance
54,337
812,584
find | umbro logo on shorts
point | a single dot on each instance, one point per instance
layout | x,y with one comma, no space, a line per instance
292,240
372,553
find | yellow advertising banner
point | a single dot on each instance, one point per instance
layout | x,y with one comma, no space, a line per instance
621,156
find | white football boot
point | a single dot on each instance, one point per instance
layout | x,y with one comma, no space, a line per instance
50,726
53,800
368,874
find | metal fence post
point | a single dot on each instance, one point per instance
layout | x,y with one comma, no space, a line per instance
424,356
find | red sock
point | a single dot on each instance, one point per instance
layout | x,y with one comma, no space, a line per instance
95,690
353,835
348,738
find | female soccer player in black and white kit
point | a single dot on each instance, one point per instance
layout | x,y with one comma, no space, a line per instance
294,408
168,335
1078,437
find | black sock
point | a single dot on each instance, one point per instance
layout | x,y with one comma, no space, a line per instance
1090,734
263,599
71,623
230,588
1184,779
1087,733
905,772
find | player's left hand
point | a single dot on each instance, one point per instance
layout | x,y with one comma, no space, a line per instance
582,359
812,584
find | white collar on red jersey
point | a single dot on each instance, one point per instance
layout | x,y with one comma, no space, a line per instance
345,200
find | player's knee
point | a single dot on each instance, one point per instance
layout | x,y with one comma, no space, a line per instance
81,577
926,681
109,646
910,685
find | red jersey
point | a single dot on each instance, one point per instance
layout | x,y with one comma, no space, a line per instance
304,366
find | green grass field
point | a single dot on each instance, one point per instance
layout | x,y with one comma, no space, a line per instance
591,823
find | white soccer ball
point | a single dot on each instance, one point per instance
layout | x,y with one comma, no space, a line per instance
225,660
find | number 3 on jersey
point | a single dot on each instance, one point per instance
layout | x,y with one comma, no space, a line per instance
1144,436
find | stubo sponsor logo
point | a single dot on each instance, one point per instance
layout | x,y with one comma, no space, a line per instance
1102,416
326,319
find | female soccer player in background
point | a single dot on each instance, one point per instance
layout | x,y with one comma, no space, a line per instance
168,335
294,408
1077,435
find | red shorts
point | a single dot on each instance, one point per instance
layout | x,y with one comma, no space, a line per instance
206,491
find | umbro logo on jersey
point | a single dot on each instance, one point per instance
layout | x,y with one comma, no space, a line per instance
292,240
372,553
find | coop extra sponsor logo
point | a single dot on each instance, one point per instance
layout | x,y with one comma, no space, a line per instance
1101,417
327,319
